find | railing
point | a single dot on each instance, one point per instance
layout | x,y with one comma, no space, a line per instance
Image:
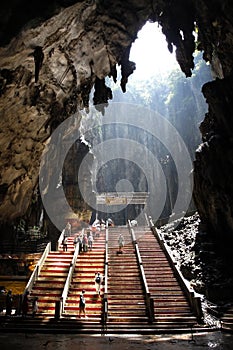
105,299
68,281
149,299
37,269
193,299
171,218
147,220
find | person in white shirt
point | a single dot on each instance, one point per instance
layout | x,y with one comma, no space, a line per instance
121,242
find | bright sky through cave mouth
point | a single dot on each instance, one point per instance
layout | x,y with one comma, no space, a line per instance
150,53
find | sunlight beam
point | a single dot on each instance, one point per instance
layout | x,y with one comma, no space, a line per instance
151,54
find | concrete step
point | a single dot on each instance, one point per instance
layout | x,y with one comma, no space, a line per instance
45,293
52,278
88,264
48,286
85,270
127,319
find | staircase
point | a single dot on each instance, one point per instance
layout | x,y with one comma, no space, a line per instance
88,263
127,312
171,308
227,320
50,283
126,299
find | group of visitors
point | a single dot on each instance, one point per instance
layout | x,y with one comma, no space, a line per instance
85,241
23,305
97,226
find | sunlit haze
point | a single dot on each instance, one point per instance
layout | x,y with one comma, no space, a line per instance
150,53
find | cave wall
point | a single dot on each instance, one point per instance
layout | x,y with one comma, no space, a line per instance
52,56
73,51
213,167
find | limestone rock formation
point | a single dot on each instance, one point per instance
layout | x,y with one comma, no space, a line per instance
213,165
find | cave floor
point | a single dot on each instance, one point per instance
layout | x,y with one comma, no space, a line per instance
213,340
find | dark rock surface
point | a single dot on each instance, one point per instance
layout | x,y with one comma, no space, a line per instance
213,167
200,259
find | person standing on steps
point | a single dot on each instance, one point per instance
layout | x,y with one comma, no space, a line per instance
25,304
75,241
80,242
68,229
9,303
90,241
121,243
85,243
34,306
64,244
82,304
98,281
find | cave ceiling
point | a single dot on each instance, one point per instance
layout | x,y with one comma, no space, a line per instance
53,53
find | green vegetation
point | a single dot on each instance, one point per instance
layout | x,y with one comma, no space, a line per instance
177,98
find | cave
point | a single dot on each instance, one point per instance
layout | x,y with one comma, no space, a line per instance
55,58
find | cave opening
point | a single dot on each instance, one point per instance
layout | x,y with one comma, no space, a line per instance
159,85
151,55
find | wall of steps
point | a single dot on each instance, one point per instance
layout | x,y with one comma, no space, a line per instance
227,320
50,283
126,299
171,307
88,263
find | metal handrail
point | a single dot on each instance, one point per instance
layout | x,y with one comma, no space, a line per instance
193,298
172,217
106,245
141,268
37,269
105,299
68,279
106,270
147,219
149,299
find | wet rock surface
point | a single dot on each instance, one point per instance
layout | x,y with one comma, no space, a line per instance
200,259
213,165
